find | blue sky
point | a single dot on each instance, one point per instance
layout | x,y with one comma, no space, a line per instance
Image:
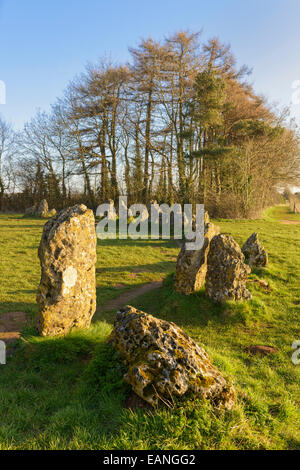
45,43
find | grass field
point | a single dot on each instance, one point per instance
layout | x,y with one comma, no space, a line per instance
68,393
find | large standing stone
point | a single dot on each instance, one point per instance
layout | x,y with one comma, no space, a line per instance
255,252
163,362
67,291
192,264
226,271
42,210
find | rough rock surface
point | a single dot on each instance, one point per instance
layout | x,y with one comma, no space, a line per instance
42,210
226,271
255,252
192,264
163,362
67,291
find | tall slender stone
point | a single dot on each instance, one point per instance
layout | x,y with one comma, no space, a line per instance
67,292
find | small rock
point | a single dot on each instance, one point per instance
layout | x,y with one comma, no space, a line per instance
163,362
255,252
191,265
226,271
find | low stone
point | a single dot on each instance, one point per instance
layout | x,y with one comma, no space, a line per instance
226,271
255,252
67,292
191,265
164,363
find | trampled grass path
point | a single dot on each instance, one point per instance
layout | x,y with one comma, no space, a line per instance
123,299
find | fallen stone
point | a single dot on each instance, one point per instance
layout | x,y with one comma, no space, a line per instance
67,292
226,271
255,252
191,265
163,362
261,350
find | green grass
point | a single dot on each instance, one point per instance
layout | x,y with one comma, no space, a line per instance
68,393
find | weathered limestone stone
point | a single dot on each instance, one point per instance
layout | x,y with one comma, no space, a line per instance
192,264
255,252
67,292
226,271
163,362
42,210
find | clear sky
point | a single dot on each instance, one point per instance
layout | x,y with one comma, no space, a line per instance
45,43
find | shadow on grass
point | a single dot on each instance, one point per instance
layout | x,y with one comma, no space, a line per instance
26,307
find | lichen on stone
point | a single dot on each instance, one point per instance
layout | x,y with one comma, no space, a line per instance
164,362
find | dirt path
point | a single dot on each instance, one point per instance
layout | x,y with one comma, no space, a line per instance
127,297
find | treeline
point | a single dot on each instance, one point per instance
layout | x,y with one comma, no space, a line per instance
179,123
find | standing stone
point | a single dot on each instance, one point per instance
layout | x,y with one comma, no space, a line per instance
255,252
192,264
67,292
226,271
42,210
163,362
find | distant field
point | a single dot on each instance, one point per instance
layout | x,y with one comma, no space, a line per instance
68,392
